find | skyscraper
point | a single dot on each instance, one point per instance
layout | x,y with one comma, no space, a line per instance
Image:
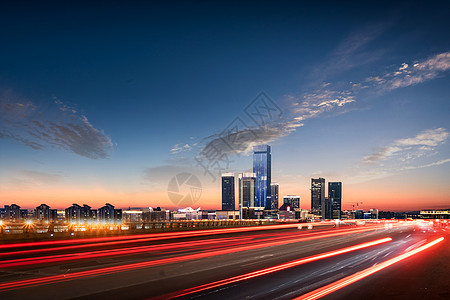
274,194
335,199
262,169
247,188
318,196
228,200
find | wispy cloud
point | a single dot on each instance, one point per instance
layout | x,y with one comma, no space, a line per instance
352,52
335,97
325,99
243,138
436,163
179,148
411,74
57,125
401,155
409,148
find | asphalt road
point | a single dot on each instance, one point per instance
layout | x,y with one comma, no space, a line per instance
142,269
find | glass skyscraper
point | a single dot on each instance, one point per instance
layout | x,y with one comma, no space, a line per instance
318,196
228,202
246,191
262,169
335,199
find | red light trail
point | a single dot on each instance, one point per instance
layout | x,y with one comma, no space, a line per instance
330,288
273,269
134,266
138,239
145,249
156,236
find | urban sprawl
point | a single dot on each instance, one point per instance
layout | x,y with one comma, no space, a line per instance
258,199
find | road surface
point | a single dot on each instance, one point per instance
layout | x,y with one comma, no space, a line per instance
282,262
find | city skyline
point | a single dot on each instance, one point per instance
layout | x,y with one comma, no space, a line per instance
110,109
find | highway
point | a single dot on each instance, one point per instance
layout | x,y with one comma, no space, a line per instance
263,262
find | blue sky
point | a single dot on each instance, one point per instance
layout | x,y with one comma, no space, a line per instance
105,102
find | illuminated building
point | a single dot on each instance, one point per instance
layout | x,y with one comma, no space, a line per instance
154,215
109,215
286,212
292,201
335,199
132,216
247,187
13,213
44,213
274,195
77,214
435,214
318,197
373,213
262,169
227,215
228,199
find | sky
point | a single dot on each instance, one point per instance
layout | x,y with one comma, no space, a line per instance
107,101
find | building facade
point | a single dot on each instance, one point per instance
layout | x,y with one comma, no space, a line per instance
262,168
43,213
247,191
77,214
318,197
274,195
292,200
335,199
109,215
228,194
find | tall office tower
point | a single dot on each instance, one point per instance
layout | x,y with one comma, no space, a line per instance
247,187
292,201
228,201
318,196
335,199
262,169
274,194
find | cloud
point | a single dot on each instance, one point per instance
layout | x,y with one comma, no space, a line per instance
333,98
401,155
382,155
243,139
436,163
409,148
352,51
329,99
177,148
405,75
430,137
57,125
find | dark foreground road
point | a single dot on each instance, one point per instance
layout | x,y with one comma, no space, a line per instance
178,266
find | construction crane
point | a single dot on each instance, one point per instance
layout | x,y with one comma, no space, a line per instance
357,204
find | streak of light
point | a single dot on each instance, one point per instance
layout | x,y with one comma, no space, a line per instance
134,266
117,243
273,269
156,236
330,288
115,252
